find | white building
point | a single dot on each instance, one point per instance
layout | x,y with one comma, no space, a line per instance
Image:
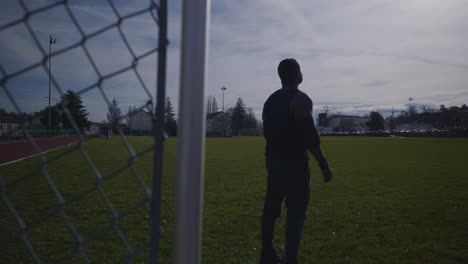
140,121
346,123
94,128
218,124
8,127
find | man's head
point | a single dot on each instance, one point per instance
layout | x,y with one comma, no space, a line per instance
289,72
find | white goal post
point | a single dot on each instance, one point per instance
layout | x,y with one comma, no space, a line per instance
191,145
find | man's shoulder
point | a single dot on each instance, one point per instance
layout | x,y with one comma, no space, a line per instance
301,105
273,95
278,92
302,100
303,97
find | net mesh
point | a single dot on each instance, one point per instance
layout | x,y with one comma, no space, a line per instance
27,225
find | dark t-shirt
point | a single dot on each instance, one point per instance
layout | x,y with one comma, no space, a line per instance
288,125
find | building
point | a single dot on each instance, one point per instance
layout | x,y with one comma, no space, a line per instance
94,128
342,123
140,122
9,127
218,124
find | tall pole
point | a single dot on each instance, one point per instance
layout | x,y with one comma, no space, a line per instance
51,41
192,119
158,130
410,110
223,89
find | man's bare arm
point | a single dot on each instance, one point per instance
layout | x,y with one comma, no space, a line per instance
308,134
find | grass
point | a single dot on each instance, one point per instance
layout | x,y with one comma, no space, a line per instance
392,200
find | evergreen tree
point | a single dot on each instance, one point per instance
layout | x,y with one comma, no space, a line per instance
238,116
170,122
72,101
56,114
251,120
114,115
376,121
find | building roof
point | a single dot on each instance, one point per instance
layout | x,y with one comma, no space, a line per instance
142,110
213,115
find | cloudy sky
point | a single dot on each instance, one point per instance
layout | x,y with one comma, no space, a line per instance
356,55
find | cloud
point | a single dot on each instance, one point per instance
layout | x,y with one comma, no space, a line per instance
356,55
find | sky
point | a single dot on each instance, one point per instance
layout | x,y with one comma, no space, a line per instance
356,55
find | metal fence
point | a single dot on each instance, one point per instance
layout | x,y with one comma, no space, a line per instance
158,12
20,134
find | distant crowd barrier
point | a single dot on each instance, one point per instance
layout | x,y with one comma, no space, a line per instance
21,134
461,133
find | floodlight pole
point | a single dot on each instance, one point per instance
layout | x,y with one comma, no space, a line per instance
51,41
223,89
191,145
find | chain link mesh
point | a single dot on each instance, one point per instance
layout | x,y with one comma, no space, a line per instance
58,211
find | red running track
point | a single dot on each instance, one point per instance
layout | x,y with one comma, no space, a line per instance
13,151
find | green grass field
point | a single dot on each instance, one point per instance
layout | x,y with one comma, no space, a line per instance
392,200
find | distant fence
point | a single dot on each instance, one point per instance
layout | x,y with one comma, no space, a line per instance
461,133
22,134
129,132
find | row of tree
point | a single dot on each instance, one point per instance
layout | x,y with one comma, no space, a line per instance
454,118
211,105
70,100
242,117
235,120
115,118
447,118
74,104
451,118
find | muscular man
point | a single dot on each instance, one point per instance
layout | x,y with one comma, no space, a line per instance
290,133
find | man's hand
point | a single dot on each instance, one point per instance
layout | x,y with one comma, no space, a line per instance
327,175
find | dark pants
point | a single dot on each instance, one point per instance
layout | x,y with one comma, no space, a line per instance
288,180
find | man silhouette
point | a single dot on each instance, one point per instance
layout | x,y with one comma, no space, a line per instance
290,133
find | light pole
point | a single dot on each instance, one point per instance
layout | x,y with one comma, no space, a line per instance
57,100
223,89
411,112
51,41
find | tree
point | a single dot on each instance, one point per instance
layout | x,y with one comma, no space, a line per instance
390,122
211,105
114,115
412,110
208,106
56,115
250,119
376,121
73,103
426,108
238,116
464,108
214,105
20,118
170,122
